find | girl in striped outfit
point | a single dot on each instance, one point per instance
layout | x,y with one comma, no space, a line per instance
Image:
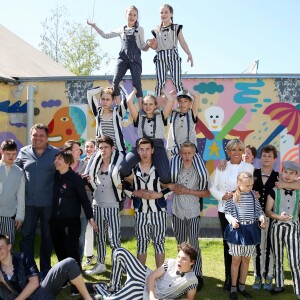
166,37
152,126
242,210
132,37
108,119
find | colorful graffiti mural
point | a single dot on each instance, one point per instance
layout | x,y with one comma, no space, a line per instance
256,110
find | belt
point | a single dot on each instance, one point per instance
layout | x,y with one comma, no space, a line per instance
247,222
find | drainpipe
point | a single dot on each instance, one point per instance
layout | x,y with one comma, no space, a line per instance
31,90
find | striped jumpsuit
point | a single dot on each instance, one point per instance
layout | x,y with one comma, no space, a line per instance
167,57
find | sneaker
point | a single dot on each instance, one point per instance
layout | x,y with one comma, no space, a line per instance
74,292
97,269
257,283
89,261
268,283
233,296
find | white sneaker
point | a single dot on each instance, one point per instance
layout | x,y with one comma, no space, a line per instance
97,269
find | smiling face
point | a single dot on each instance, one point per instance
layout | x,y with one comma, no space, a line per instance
183,262
4,250
149,105
132,16
39,138
60,164
166,13
76,151
89,148
235,154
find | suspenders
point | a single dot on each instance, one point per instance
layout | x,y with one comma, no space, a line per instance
277,204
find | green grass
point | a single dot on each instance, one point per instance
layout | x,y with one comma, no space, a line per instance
213,271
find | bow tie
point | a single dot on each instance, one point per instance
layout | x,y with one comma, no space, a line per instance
150,120
104,173
181,274
165,29
288,192
182,115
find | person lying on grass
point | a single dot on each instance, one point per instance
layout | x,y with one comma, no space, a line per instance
19,276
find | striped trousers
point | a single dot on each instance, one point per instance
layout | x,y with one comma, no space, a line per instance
151,225
263,257
288,235
124,261
188,230
108,222
168,60
7,227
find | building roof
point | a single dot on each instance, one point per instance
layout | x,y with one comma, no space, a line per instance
19,59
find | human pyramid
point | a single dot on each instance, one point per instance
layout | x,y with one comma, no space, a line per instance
79,207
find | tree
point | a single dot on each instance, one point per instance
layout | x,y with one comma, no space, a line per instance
81,51
54,33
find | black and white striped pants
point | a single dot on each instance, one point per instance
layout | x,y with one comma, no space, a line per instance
168,60
7,227
263,263
188,230
151,225
286,234
108,222
124,261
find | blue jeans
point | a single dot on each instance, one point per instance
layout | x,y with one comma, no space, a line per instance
32,215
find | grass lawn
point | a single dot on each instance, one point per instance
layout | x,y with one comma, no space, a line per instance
213,271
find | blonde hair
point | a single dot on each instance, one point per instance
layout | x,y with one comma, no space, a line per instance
150,97
240,178
235,142
108,90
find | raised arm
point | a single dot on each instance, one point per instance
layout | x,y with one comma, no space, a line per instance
185,47
132,108
170,103
109,35
92,100
196,102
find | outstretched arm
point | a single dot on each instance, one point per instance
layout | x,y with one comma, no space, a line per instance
102,33
132,108
185,47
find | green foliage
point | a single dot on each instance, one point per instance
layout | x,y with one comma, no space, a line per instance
72,45
54,33
81,51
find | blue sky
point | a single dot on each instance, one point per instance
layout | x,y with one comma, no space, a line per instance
224,37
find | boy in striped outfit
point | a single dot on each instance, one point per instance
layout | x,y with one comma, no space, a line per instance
149,204
283,207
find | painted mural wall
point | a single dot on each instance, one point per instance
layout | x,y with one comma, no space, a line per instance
256,110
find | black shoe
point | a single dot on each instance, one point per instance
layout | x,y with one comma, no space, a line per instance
233,296
200,283
277,290
74,291
227,285
245,293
